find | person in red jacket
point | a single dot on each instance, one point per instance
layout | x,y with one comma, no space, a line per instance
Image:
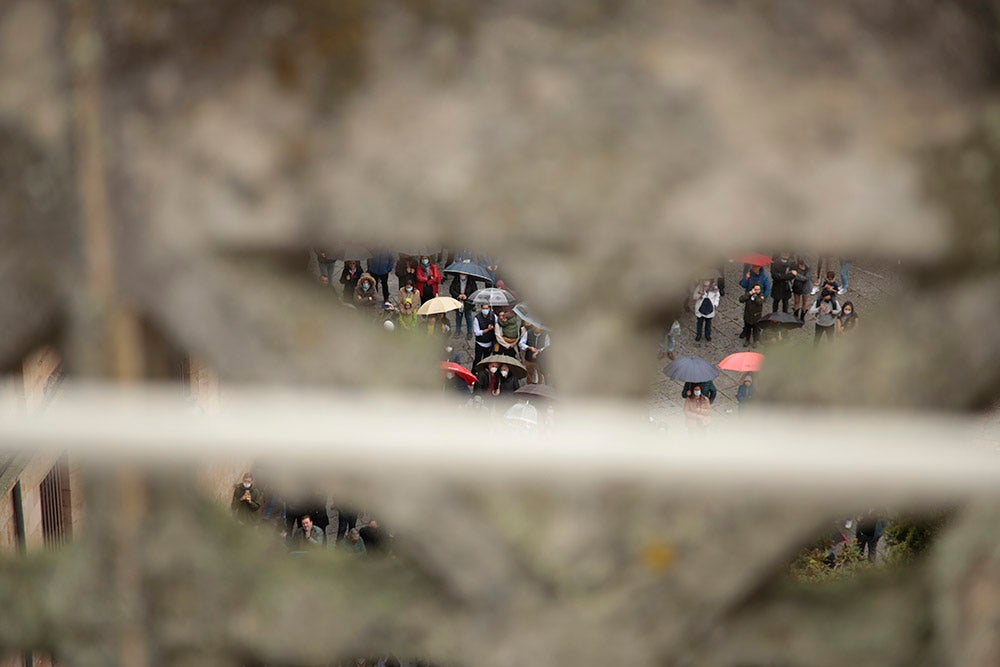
428,278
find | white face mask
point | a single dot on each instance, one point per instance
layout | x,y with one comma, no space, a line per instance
409,288
505,373
848,311
425,262
493,369
697,392
247,485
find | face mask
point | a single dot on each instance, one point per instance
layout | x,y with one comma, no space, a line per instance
409,288
486,311
449,375
247,485
848,311
697,392
504,373
493,369
425,262
366,287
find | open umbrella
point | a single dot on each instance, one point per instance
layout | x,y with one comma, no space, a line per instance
522,311
515,366
781,321
742,362
755,259
691,369
438,305
459,370
538,390
493,296
469,268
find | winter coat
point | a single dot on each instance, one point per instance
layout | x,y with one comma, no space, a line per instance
801,283
243,509
349,279
381,264
698,410
781,278
406,268
428,280
753,307
760,278
365,298
700,294
708,390
455,289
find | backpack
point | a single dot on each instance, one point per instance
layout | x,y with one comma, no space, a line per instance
706,307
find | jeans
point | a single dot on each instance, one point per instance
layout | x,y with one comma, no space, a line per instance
823,331
845,273
706,323
467,314
326,269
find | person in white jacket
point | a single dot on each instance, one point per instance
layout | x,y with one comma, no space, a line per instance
706,300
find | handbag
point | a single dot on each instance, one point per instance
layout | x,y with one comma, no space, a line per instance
706,307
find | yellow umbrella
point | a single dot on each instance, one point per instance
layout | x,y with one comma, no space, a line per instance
438,305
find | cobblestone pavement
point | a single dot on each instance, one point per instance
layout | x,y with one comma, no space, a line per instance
870,284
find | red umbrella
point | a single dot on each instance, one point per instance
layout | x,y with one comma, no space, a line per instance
742,362
755,259
459,370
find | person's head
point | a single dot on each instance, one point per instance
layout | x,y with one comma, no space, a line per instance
755,269
696,390
324,280
366,284
827,294
484,309
408,285
830,276
784,256
373,524
503,315
354,535
351,264
800,262
494,367
848,308
708,284
504,370
755,289
247,480
747,381
306,522
425,260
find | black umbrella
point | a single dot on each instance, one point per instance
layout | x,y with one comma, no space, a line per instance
691,369
469,268
780,321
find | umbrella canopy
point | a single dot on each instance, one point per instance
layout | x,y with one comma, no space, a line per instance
515,366
742,362
438,305
691,369
522,311
755,259
467,267
493,296
781,320
459,370
539,390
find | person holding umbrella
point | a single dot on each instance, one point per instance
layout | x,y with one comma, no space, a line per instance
498,376
462,285
756,277
428,278
753,307
483,326
706,300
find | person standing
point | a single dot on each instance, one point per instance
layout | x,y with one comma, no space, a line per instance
406,269
845,274
826,310
380,265
697,410
753,308
483,326
349,278
801,279
745,392
757,276
246,500
407,304
428,278
533,342
365,293
706,301
462,286
781,281
848,319
668,341
326,261
868,532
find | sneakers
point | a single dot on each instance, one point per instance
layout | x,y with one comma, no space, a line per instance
814,290
746,343
468,335
842,290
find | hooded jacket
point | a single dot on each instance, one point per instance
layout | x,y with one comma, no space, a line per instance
365,298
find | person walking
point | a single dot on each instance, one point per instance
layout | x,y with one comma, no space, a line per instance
706,301
753,308
826,310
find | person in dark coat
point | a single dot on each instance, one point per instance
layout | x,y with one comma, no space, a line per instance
753,308
406,269
246,500
801,287
349,278
461,288
868,533
781,281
